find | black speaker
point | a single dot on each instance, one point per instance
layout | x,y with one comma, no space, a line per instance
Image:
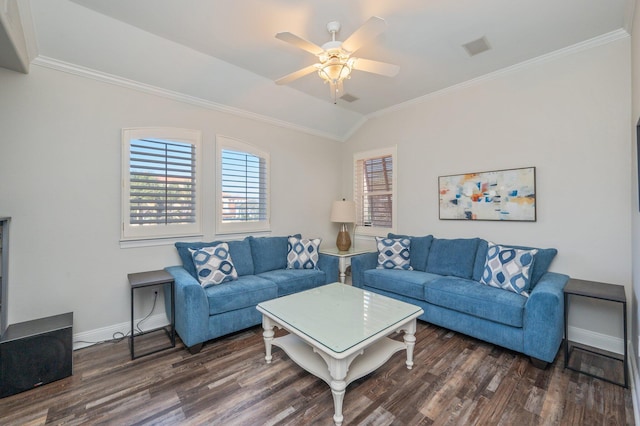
34,353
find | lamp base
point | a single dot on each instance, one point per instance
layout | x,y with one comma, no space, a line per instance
343,242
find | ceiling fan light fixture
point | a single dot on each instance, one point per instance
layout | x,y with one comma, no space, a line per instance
335,69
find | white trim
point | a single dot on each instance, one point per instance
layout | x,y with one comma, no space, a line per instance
47,62
70,68
102,334
596,340
578,47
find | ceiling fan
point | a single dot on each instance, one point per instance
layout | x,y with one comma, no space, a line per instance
335,60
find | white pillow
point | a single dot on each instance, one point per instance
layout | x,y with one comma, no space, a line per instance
213,264
303,253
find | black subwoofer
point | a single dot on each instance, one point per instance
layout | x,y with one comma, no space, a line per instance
34,353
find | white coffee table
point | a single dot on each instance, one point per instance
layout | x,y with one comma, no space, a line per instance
339,333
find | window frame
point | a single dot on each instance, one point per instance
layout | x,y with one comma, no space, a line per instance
231,144
363,156
131,232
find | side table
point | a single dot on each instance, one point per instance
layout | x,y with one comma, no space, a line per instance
342,258
149,279
602,291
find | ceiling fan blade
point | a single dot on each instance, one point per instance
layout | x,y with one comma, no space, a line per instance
300,42
376,67
366,33
296,74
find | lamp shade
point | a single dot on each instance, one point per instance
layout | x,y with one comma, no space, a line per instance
343,211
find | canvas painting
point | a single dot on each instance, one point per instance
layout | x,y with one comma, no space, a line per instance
496,195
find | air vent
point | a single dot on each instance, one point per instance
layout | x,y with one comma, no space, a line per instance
348,98
477,46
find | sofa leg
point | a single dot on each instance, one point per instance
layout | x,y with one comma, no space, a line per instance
195,348
538,363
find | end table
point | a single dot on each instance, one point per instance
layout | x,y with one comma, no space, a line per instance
602,291
149,279
343,256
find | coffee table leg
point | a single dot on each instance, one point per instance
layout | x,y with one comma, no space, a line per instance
267,334
410,341
338,369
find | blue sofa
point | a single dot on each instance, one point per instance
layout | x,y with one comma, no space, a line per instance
204,313
445,283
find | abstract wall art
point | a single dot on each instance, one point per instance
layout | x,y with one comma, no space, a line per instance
508,195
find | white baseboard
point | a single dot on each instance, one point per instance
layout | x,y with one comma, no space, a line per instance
91,337
597,340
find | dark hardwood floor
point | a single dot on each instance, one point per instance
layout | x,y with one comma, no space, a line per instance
456,380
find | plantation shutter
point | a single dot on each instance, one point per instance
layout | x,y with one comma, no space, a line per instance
244,187
162,182
374,191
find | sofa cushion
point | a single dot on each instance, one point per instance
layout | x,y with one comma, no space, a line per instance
475,299
246,291
302,253
454,257
419,250
240,253
541,263
394,253
269,253
508,268
406,283
291,281
214,264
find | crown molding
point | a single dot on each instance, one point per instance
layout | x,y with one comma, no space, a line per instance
578,47
67,67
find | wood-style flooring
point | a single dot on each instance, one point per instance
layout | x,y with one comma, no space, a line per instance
456,380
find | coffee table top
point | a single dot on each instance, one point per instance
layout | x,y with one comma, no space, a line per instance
339,316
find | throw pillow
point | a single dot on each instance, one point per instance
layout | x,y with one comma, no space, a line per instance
394,253
214,264
508,268
302,253
419,250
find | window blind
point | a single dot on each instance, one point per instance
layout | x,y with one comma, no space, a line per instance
374,191
162,182
244,187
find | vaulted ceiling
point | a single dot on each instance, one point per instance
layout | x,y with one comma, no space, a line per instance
225,53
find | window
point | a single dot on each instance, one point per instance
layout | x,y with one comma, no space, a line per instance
161,185
242,188
375,191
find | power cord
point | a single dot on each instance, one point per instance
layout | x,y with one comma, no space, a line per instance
119,336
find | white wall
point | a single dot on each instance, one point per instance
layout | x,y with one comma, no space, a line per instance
568,117
635,215
60,182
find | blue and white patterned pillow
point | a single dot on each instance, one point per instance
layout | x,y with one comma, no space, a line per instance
302,253
213,264
394,253
508,268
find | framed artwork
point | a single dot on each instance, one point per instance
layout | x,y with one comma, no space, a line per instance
508,195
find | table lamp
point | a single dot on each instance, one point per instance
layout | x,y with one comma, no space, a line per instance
343,212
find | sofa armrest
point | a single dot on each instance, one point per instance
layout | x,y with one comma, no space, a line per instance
361,263
192,307
328,265
544,317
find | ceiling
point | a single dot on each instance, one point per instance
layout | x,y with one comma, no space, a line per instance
423,37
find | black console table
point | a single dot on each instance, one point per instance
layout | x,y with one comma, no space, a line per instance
149,279
602,291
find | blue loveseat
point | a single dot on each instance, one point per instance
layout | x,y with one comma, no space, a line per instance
204,313
445,283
